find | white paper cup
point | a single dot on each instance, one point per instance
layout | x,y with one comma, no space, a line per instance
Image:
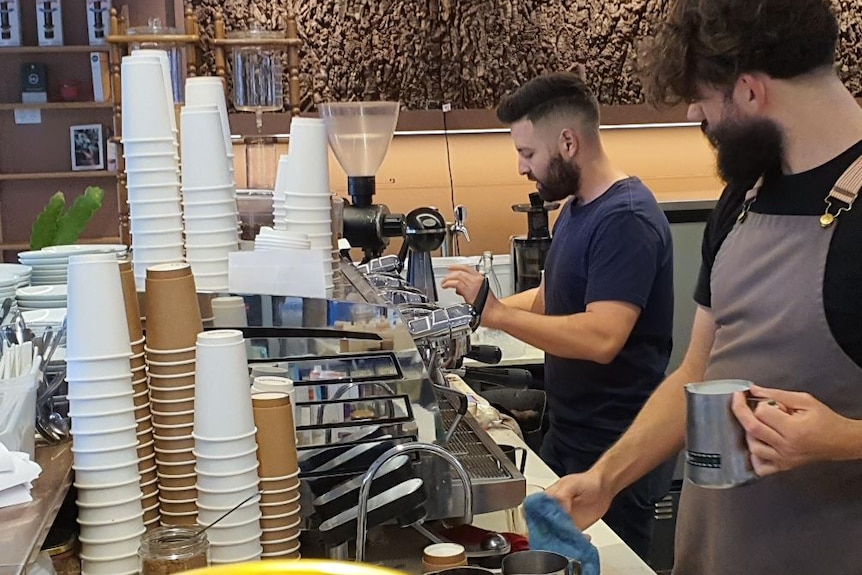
154,208
227,481
215,465
96,317
205,224
308,168
224,499
204,149
151,177
146,113
210,91
211,208
138,146
298,201
160,161
103,535
152,192
226,446
125,565
107,439
223,405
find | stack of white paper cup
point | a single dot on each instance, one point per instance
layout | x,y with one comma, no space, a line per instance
104,439
209,197
210,91
152,163
225,447
306,198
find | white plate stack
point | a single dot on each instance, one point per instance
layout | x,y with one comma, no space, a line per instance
225,447
23,272
8,286
104,441
41,297
152,162
209,197
49,265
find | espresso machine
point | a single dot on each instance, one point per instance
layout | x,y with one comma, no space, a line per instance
359,134
529,252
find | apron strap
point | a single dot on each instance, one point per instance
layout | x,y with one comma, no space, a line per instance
843,193
839,199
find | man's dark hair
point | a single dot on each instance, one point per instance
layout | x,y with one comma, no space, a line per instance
558,92
712,42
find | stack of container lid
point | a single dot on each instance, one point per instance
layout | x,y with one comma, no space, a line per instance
225,447
173,322
104,440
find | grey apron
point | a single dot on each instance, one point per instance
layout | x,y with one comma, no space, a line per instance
771,328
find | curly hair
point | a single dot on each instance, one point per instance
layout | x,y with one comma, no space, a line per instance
551,94
712,42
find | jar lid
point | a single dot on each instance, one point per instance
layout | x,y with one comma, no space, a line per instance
59,541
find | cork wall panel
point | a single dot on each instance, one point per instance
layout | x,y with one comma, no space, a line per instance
470,52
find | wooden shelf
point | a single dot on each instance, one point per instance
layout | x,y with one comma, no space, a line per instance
53,49
94,174
57,106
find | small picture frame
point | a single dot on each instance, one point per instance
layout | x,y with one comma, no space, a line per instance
88,148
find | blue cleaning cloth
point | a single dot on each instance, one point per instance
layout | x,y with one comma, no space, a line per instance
552,529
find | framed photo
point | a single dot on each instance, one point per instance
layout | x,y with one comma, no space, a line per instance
88,149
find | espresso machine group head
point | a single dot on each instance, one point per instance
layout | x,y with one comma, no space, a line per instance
359,134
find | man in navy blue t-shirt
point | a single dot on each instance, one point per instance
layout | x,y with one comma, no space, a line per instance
604,311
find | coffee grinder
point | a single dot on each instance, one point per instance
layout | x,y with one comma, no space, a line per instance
359,134
529,253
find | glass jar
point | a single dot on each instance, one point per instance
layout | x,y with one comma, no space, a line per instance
486,267
174,50
166,550
61,547
261,162
258,85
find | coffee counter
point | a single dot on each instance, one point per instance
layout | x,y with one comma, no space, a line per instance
615,556
25,526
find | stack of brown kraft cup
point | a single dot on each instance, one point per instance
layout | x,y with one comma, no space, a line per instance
279,475
140,385
173,322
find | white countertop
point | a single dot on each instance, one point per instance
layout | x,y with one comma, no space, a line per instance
615,556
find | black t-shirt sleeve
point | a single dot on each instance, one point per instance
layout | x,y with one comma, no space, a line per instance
718,225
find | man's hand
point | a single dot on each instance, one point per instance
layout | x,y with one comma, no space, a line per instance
583,496
467,282
793,430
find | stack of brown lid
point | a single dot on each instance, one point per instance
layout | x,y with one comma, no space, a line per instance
173,322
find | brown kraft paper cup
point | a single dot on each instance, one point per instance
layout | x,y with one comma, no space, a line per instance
173,319
130,298
278,534
276,444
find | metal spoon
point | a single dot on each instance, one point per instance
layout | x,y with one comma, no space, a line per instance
4,310
54,343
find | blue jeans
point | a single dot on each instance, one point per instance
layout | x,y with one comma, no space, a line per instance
632,511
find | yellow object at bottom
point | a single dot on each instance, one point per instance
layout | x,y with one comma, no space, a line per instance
296,567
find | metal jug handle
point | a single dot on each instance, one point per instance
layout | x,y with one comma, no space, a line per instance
574,567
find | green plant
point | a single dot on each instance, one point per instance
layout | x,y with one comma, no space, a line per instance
56,226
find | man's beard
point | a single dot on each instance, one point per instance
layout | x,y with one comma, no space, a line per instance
562,180
746,149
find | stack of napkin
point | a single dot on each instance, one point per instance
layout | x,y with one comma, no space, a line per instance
17,473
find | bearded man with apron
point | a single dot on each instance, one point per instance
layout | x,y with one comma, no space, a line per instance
780,293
